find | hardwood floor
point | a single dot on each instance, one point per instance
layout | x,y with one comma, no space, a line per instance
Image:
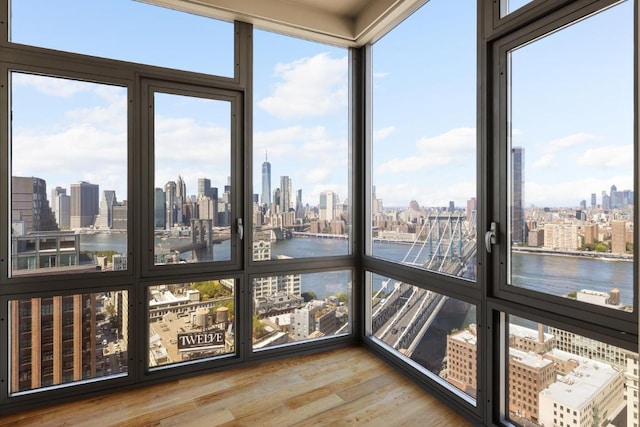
345,387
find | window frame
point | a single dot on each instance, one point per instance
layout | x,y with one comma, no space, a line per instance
149,87
578,313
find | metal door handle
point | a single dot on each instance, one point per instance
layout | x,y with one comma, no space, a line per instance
240,229
491,236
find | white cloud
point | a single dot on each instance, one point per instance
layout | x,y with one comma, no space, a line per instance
383,133
51,86
452,147
569,141
570,193
401,194
551,150
547,161
380,74
308,87
611,156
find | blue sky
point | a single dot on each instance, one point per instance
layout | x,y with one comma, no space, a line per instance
572,105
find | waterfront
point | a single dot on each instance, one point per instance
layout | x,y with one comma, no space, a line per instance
555,275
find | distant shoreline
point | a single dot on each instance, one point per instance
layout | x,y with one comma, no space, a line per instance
598,256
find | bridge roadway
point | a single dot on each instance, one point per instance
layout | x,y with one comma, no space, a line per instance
404,317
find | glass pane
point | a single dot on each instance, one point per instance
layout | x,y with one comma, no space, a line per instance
69,176
67,338
558,378
301,152
437,332
191,321
126,30
192,197
572,199
300,307
424,141
509,6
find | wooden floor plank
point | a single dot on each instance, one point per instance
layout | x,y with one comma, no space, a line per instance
345,387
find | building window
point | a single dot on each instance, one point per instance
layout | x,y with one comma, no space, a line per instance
69,176
301,191
294,308
423,195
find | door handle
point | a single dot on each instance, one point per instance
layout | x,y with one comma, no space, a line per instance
240,228
491,236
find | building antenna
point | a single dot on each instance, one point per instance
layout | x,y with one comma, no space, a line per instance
265,156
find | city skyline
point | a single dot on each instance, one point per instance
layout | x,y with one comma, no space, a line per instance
300,116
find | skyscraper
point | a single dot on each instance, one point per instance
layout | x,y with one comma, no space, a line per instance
299,205
204,187
85,199
613,197
518,225
286,194
170,200
159,210
327,205
61,206
29,204
266,182
107,203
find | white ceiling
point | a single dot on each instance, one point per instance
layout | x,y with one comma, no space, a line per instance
340,22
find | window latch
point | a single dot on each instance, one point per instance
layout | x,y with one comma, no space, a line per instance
240,228
491,236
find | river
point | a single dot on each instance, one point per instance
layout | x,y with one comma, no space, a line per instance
555,275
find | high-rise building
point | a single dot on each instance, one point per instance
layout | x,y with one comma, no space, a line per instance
518,225
593,200
54,340
462,361
613,197
170,200
618,237
300,214
204,187
29,205
472,206
85,199
107,203
327,205
266,182
286,194
61,205
590,233
159,209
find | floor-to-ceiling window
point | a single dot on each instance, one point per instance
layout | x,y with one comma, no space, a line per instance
565,282
184,194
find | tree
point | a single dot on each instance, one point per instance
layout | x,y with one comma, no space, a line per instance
210,289
258,328
343,297
308,296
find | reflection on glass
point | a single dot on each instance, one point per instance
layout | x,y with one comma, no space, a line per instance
191,321
67,338
572,200
509,6
87,27
556,377
435,331
192,197
68,184
301,153
300,307
423,210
